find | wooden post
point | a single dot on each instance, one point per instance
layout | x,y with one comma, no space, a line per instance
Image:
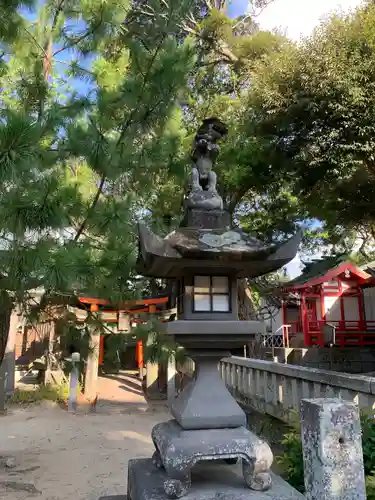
101,350
139,355
305,326
332,450
92,366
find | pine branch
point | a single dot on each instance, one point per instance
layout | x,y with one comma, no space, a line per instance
122,135
145,81
35,40
82,37
91,208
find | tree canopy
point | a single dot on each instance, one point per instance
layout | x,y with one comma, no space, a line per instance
311,105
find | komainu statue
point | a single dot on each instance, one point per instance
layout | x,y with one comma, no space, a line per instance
202,187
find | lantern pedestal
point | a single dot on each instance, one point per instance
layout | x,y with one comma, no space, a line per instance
209,424
206,403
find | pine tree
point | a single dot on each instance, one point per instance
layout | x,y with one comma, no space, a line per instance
75,170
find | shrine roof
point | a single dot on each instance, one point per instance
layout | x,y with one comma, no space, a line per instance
323,270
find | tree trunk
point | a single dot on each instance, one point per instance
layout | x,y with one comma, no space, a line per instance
246,307
48,379
92,367
5,314
246,311
9,360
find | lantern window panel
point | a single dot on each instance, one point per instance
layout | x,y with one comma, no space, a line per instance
211,294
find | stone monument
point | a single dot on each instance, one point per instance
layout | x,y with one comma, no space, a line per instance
206,257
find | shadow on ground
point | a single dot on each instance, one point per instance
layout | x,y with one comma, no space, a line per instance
107,406
128,380
114,497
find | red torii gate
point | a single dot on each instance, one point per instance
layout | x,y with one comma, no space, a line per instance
152,305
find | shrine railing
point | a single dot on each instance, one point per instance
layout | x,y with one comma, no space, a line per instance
341,333
282,336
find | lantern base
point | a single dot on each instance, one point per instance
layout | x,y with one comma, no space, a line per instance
177,450
210,481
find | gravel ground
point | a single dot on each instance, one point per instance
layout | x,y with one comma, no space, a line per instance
54,455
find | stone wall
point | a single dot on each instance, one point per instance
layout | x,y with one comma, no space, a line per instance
347,359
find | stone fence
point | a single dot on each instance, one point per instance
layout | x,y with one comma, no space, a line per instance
277,389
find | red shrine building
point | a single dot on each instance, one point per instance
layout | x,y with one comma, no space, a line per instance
330,303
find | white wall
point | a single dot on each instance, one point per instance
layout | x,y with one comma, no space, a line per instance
319,309
351,310
332,308
277,323
369,302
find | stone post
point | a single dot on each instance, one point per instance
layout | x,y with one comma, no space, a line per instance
332,450
171,376
73,383
152,376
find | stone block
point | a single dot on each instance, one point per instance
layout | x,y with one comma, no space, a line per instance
332,450
208,219
210,481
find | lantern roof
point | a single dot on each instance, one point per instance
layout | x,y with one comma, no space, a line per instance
232,251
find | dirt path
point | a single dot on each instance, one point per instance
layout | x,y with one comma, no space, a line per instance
60,456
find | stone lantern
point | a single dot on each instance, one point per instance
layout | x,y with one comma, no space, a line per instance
205,257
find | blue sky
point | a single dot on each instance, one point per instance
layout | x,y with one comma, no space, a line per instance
237,7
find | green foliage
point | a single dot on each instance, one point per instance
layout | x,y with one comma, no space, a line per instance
157,345
113,344
292,459
39,394
310,109
77,171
